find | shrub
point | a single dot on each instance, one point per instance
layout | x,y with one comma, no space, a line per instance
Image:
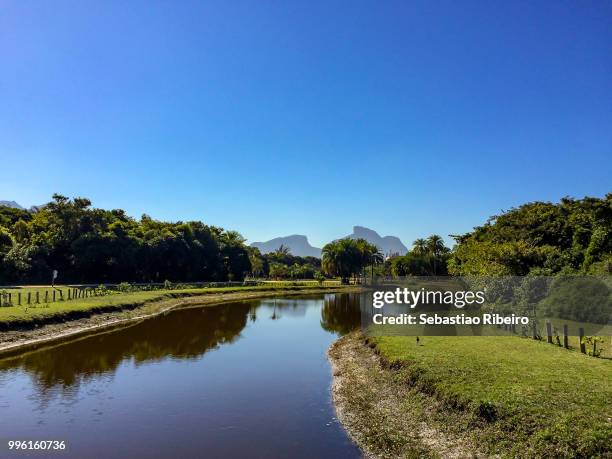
125,287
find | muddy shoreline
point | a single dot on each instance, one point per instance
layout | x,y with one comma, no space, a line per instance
15,342
383,415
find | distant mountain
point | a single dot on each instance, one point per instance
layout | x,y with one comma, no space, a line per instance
12,204
15,205
297,244
388,245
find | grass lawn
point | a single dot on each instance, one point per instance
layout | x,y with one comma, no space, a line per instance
534,398
33,313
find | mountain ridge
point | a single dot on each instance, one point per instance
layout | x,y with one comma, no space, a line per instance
388,245
12,204
16,205
298,243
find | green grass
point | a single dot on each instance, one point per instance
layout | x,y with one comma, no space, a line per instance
12,316
534,398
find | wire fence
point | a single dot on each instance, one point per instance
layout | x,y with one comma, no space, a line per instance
29,295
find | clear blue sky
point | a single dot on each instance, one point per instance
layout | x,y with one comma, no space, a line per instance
275,118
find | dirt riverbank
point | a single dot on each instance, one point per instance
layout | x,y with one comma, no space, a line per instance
381,413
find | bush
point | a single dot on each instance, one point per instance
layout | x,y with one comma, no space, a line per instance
125,287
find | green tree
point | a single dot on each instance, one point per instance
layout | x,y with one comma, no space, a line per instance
348,257
572,236
419,247
86,244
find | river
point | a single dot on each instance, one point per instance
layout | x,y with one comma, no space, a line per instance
246,379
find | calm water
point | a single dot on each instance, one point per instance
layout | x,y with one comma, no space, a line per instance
246,379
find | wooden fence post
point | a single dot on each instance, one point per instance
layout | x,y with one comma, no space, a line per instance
582,345
565,337
46,296
29,297
19,298
37,297
10,299
61,295
549,332
54,296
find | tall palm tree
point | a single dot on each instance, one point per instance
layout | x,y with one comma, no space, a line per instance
435,247
370,255
346,257
331,259
419,247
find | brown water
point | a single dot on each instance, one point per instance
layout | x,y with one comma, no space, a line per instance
247,379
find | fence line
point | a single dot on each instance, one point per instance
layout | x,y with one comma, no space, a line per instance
81,291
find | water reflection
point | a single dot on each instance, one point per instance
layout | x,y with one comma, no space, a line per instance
341,314
184,335
181,334
247,379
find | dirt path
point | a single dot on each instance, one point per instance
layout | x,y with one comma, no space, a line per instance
382,414
18,341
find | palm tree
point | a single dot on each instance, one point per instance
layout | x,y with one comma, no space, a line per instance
331,260
435,247
282,250
370,255
419,247
342,258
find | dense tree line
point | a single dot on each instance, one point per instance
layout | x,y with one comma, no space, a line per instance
86,244
571,237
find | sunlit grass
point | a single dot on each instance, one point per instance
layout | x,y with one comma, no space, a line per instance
541,396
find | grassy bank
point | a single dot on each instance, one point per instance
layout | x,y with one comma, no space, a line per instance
28,316
507,395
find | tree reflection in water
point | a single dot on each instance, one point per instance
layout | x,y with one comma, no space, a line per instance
341,313
181,334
